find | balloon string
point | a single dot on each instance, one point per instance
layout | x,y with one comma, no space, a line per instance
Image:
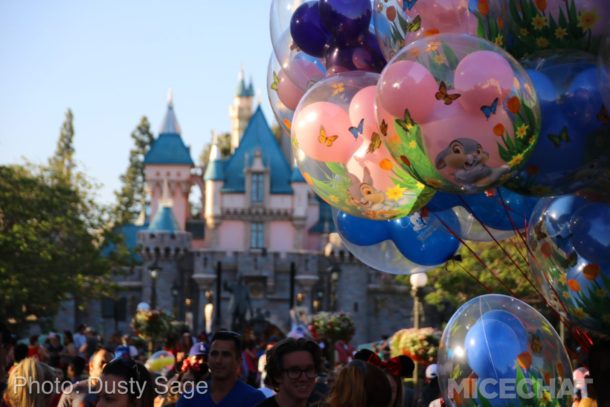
523,273
507,210
479,259
485,287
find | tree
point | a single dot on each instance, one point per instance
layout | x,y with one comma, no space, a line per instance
224,144
131,199
62,162
50,239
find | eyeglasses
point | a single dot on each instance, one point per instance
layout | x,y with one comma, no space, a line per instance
295,373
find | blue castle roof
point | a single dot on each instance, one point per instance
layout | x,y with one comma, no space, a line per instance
296,175
130,238
164,221
169,148
258,136
215,170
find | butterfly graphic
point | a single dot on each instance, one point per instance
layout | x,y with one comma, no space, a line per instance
407,122
356,131
276,81
603,115
383,127
443,95
488,110
338,88
414,25
375,143
408,4
557,139
326,140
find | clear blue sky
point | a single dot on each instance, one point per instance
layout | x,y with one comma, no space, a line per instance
112,62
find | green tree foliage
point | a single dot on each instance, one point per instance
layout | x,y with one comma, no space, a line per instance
50,239
62,162
131,199
466,277
224,144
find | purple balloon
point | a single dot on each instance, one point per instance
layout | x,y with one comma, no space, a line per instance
339,59
347,20
306,29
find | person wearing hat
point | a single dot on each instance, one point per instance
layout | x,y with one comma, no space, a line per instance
431,390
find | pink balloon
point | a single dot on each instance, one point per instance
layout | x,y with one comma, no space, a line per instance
322,132
362,107
303,72
442,15
407,85
288,92
481,77
450,123
379,165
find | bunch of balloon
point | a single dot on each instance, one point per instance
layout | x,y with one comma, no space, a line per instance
499,351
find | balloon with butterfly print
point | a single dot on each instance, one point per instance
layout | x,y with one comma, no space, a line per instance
338,147
469,138
573,150
400,22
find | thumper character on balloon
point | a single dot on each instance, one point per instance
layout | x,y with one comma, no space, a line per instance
363,193
468,158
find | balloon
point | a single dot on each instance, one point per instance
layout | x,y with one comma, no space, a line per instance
472,229
496,344
306,29
322,132
491,211
398,22
435,138
279,23
302,68
574,144
160,362
360,231
568,240
288,92
603,65
347,20
282,113
535,25
424,239
342,157
409,85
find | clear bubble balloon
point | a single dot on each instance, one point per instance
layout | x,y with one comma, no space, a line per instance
569,241
499,351
161,362
462,113
400,22
279,21
338,148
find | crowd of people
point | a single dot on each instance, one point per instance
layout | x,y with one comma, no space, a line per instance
79,371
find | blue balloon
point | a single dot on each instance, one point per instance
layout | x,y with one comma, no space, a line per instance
492,347
490,211
441,201
590,227
510,320
306,29
360,231
425,240
583,101
347,20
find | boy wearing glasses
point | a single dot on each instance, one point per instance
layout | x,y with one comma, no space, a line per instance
225,389
292,368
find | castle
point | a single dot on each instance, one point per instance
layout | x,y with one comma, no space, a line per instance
259,223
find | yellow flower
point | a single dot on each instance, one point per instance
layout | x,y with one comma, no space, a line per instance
414,53
565,295
499,41
579,313
334,199
562,279
516,160
542,42
523,32
539,22
338,88
395,193
439,59
412,144
419,185
560,32
433,46
587,19
522,131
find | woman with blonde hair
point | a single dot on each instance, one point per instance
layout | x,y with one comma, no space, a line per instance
27,384
360,384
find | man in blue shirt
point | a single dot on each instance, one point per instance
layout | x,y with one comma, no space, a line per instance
224,390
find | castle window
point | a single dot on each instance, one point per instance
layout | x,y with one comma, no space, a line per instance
256,235
258,188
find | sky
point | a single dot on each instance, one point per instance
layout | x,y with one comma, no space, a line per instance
113,62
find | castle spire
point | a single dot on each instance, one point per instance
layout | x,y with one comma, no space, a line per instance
170,122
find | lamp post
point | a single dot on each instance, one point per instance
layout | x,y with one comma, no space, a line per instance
154,273
334,272
418,281
175,293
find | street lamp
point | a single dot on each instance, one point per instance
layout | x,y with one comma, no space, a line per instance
334,271
418,281
175,293
154,273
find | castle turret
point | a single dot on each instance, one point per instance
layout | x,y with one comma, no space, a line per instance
214,181
241,110
169,159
